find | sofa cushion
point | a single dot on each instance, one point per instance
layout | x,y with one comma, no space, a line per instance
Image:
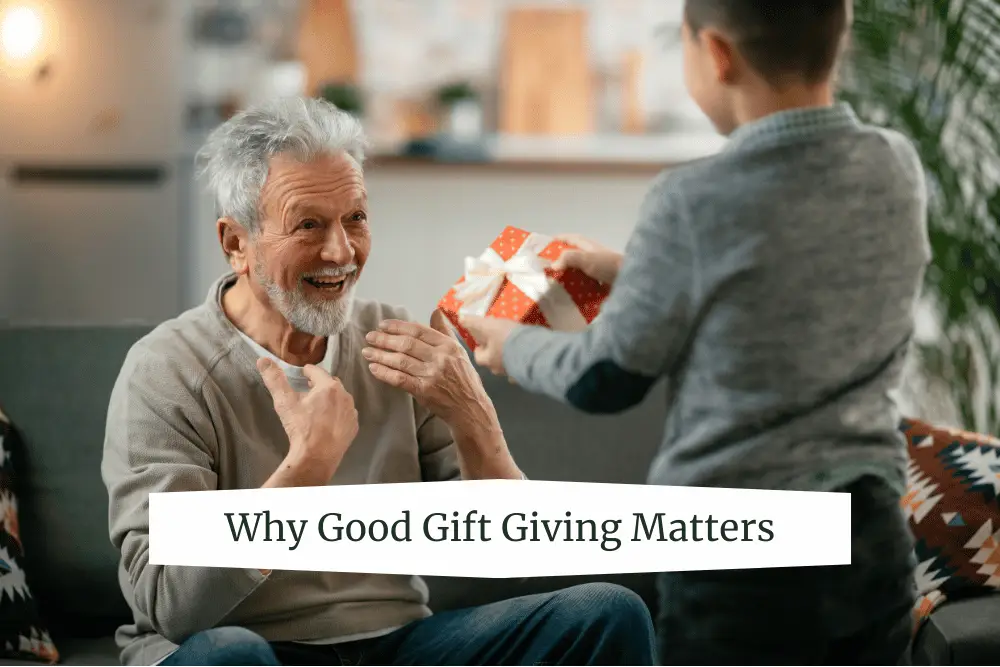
92,651
55,385
953,507
963,632
23,632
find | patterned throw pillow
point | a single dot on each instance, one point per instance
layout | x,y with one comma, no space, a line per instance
953,506
23,635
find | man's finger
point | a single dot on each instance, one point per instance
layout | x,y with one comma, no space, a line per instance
418,331
440,323
408,345
276,382
394,378
317,376
395,360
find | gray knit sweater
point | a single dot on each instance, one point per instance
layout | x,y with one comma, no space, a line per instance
773,288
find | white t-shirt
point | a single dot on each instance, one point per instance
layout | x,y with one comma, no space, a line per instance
296,376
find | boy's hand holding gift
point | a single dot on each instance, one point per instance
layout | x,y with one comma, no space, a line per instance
518,280
595,260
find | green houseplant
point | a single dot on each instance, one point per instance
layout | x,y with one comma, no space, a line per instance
931,69
344,96
460,105
456,92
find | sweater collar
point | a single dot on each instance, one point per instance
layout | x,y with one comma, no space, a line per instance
793,125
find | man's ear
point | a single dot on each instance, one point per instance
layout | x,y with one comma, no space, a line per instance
234,240
722,54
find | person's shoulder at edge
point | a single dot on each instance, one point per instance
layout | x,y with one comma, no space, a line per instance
182,349
162,378
903,149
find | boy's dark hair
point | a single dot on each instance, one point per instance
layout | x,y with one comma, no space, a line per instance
781,39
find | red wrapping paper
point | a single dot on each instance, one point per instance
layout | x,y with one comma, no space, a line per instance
512,303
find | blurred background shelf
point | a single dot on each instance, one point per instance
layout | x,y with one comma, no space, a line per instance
554,116
523,166
609,149
612,154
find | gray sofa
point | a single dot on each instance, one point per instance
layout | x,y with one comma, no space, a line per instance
54,386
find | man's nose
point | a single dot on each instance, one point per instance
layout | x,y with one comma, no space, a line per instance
337,246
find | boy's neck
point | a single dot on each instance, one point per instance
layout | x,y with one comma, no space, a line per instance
760,104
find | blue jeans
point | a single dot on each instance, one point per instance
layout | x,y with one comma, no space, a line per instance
590,624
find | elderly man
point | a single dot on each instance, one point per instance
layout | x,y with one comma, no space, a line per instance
282,378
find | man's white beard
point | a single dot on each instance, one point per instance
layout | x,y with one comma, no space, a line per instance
325,318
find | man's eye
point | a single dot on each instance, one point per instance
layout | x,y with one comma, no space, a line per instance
309,224
360,216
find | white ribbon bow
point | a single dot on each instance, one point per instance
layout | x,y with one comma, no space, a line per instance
485,276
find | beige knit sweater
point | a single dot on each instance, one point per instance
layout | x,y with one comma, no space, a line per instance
189,412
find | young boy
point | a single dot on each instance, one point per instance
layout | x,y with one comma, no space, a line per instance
773,287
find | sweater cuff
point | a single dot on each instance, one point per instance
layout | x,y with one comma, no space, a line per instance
517,352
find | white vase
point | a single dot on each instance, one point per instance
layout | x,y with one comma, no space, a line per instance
465,120
280,79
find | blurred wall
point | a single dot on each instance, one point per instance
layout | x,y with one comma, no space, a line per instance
426,220
85,254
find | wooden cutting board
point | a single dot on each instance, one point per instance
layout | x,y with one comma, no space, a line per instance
327,43
546,82
633,120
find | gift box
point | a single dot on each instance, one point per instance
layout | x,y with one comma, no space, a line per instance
513,280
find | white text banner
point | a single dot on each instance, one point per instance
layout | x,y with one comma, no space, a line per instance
499,529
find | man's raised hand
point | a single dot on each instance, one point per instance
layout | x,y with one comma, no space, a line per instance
321,423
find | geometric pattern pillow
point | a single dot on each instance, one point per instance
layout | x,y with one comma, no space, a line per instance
953,506
23,635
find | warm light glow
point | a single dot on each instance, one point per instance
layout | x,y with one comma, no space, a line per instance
20,32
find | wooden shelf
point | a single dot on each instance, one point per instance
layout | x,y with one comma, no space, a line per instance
382,163
595,154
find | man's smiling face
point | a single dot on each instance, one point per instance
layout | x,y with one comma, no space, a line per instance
313,241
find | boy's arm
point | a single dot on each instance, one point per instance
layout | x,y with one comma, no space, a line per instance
641,330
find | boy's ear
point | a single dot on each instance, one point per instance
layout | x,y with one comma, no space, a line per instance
234,240
722,54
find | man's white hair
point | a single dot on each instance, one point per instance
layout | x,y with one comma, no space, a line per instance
234,160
